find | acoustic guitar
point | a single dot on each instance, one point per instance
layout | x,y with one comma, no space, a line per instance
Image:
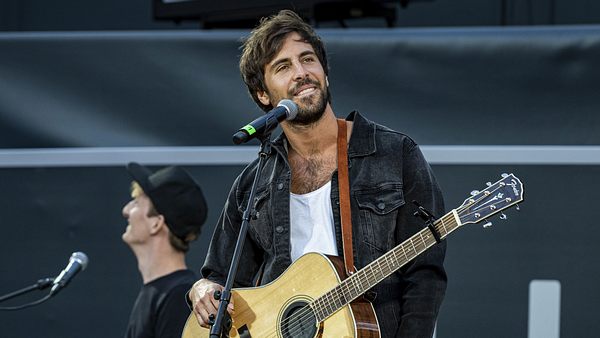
315,298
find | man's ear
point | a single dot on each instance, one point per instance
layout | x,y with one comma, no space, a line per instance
263,97
158,225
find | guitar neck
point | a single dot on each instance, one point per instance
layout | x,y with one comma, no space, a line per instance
364,279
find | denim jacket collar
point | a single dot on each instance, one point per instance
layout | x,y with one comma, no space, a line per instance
362,142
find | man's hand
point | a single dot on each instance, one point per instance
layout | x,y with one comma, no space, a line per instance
204,302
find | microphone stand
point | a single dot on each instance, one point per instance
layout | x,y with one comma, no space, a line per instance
40,285
222,323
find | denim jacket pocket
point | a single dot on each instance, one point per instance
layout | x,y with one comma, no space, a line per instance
378,209
260,224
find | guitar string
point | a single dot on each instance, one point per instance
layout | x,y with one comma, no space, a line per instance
306,311
294,329
369,273
474,202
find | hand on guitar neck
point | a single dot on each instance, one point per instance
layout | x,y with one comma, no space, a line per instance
203,301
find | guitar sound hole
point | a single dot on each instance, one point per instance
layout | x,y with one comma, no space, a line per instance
298,321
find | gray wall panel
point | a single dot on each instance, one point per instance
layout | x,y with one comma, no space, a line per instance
487,86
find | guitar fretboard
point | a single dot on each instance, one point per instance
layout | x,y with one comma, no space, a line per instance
364,279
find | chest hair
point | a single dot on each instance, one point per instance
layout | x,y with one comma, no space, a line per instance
309,174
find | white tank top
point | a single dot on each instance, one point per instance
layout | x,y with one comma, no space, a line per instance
312,227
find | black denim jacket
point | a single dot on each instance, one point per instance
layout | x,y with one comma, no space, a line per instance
387,172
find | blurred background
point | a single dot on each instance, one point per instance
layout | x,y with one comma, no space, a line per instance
484,86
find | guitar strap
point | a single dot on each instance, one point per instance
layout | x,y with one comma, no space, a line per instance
344,188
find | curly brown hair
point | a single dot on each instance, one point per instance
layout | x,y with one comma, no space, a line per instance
265,41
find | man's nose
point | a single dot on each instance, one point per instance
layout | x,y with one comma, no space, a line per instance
300,71
125,210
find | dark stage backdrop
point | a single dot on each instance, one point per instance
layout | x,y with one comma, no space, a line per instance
471,87
536,86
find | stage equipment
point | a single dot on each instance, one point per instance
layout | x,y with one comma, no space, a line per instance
246,14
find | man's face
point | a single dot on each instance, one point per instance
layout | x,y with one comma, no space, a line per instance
295,73
139,223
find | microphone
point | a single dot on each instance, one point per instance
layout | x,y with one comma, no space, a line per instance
77,262
286,109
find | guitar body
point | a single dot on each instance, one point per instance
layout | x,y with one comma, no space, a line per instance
272,310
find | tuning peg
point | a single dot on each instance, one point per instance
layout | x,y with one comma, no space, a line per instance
504,175
503,216
474,192
487,224
489,184
518,207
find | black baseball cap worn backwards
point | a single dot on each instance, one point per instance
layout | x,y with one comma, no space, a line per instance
175,195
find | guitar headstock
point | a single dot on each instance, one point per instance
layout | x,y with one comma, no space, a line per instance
493,199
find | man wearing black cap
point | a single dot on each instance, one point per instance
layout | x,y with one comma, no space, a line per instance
165,215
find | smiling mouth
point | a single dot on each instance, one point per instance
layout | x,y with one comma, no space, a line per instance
306,91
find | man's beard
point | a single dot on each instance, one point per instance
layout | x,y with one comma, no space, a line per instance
310,112
310,108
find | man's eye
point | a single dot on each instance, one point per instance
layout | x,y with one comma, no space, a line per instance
282,67
308,59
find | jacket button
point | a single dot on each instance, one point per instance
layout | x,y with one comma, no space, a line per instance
381,206
280,186
279,229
